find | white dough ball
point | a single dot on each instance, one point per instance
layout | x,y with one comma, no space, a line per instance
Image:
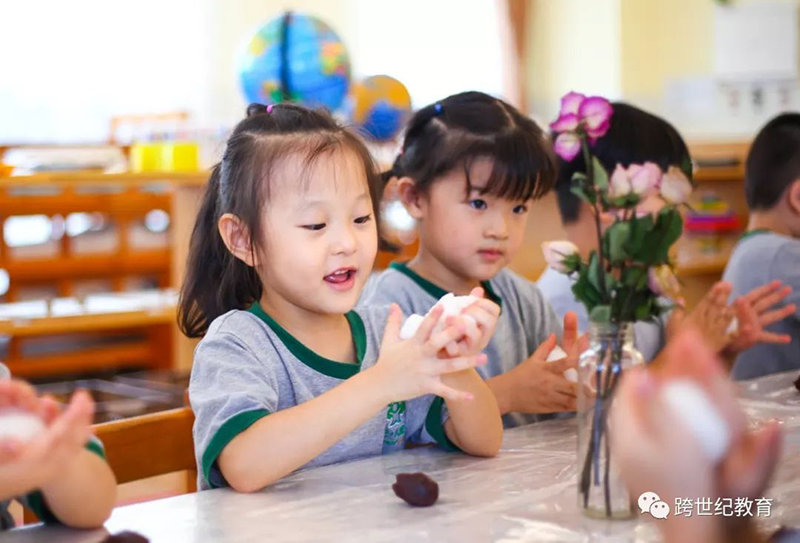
571,375
733,327
411,326
556,354
694,408
19,424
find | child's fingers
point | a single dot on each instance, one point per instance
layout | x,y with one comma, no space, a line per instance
765,319
543,350
438,341
18,394
477,292
448,393
763,290
391,333
771,299
776,339
570,336
428,324
50,409
452,365
9,450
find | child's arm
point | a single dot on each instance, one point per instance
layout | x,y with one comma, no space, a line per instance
475,426
283,441
77,485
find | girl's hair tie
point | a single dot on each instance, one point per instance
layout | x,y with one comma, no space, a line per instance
437,107
269,108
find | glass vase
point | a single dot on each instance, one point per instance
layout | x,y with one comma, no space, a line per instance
601,492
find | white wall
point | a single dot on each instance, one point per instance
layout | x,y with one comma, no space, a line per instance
68,66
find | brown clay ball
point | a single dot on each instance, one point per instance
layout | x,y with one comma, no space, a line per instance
416,489
126,537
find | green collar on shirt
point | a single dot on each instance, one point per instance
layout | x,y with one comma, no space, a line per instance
331,368
755,232
437,291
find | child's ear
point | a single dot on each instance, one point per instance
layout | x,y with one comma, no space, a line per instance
793,197
410,196
236,238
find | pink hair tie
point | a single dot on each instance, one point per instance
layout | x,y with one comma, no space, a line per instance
269,108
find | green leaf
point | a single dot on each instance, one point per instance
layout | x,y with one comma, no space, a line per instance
670,227
600,174
584,292
643,311
635,278
578,177
594,272
618,235
640,229
583,195
601,313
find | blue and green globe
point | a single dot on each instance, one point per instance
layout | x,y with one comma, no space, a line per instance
296,58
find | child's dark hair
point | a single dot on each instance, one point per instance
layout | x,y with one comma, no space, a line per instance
464,127
216,281
634,137
773,162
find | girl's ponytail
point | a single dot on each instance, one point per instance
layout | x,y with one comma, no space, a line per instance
215,281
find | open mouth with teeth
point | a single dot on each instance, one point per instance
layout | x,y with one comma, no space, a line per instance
341,278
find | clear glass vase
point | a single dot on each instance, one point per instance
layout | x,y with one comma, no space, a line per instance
601,492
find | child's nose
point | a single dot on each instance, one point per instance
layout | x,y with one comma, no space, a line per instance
497,227
345,242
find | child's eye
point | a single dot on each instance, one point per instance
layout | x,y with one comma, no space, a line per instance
478,204
520,209
363,220
319,226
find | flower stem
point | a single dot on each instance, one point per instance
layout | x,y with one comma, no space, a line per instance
587,158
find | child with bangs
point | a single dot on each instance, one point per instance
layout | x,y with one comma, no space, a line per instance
470,167
288,375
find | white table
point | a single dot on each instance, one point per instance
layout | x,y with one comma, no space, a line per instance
527,493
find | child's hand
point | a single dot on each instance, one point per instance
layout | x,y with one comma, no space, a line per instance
410,368
712,316
478,331
754,311
656,452
32,465
537,386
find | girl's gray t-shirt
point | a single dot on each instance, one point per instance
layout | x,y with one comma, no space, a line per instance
247,367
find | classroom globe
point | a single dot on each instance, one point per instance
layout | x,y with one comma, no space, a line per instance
296,58
380,105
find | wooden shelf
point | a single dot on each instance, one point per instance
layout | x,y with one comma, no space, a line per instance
35,270
703,267
82,178
722,174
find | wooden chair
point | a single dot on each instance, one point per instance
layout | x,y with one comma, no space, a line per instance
150,445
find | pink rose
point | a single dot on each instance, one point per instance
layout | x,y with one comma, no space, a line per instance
556,252
619,185
644,179
675,187
662,281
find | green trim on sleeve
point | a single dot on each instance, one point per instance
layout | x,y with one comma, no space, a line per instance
35,502
229,430
435,427
326,366
96,446
435,290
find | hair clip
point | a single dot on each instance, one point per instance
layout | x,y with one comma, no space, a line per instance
269,108
437,107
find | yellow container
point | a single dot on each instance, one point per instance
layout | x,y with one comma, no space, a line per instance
145,157
179,156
